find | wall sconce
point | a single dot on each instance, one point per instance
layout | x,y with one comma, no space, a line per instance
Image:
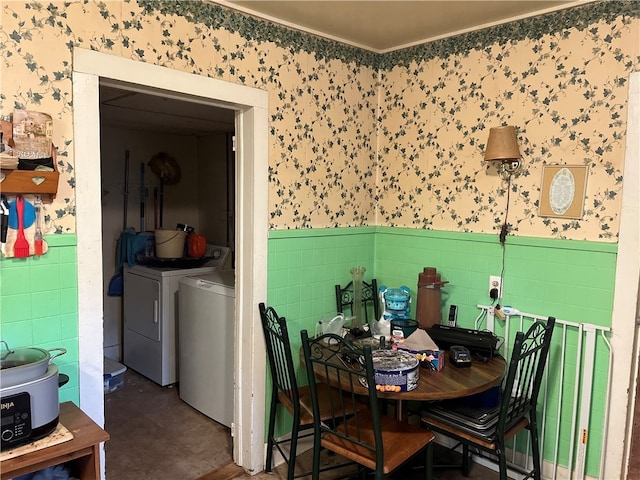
502,147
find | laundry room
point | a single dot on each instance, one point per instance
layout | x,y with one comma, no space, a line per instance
168,214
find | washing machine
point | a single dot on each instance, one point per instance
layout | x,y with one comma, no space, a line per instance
150,304
206,333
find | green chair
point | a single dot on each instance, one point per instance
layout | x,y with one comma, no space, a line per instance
285,391
489,430
375,442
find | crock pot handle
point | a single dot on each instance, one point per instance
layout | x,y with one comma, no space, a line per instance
63,378
61,351
7,349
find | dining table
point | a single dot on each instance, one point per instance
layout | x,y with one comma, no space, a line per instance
447,383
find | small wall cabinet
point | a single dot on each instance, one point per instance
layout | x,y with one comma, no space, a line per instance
30,182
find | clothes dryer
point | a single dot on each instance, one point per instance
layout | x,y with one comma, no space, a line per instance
150,315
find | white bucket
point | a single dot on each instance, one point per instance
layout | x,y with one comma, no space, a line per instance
170,243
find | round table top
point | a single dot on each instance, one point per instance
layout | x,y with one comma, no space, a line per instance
449,382
454,382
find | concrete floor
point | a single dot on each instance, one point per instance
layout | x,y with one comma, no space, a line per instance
155,435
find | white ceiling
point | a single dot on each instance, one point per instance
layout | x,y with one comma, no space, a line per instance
382,26
379,26
158,113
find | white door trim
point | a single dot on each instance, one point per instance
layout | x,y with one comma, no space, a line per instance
625,329
251,106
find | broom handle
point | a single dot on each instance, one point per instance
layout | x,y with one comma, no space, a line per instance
161,199
142,197
126,189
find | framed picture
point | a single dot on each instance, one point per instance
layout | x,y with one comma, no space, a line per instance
563,190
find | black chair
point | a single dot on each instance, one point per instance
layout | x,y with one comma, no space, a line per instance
489,429
370,306
285,391
375,442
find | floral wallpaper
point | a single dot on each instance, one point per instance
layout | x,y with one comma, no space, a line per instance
565,91
358,138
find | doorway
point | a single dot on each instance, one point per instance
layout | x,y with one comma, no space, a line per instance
136,127
251,126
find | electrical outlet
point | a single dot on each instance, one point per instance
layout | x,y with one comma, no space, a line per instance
495,282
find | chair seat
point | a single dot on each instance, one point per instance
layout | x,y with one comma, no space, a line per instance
306,409
490,429
398,438
483,438
478,422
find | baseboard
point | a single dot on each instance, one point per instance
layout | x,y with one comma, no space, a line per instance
304,445
548,470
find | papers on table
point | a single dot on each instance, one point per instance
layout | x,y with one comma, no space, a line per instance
419,341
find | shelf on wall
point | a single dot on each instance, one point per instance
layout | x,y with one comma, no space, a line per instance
30,182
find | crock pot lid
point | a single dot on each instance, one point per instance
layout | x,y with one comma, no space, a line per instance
22,356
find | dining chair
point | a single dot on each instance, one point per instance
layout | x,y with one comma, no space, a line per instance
286,392
489,429
370,305
375,442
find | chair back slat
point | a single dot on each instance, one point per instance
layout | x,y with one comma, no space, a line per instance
524,375
350,369
279,354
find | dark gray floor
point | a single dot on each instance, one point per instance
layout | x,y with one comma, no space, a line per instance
155,435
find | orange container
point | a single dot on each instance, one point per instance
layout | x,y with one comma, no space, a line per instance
196,245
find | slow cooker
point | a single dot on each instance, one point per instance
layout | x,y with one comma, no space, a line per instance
29,402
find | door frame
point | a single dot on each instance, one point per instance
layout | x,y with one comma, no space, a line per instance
625,327
90,69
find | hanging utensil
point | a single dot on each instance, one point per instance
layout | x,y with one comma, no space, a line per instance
4,225
37,237
21,247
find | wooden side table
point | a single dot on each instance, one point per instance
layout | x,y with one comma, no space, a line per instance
81,454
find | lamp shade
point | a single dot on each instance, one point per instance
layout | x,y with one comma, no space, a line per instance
502,144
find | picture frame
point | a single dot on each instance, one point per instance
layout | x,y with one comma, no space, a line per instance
563,190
